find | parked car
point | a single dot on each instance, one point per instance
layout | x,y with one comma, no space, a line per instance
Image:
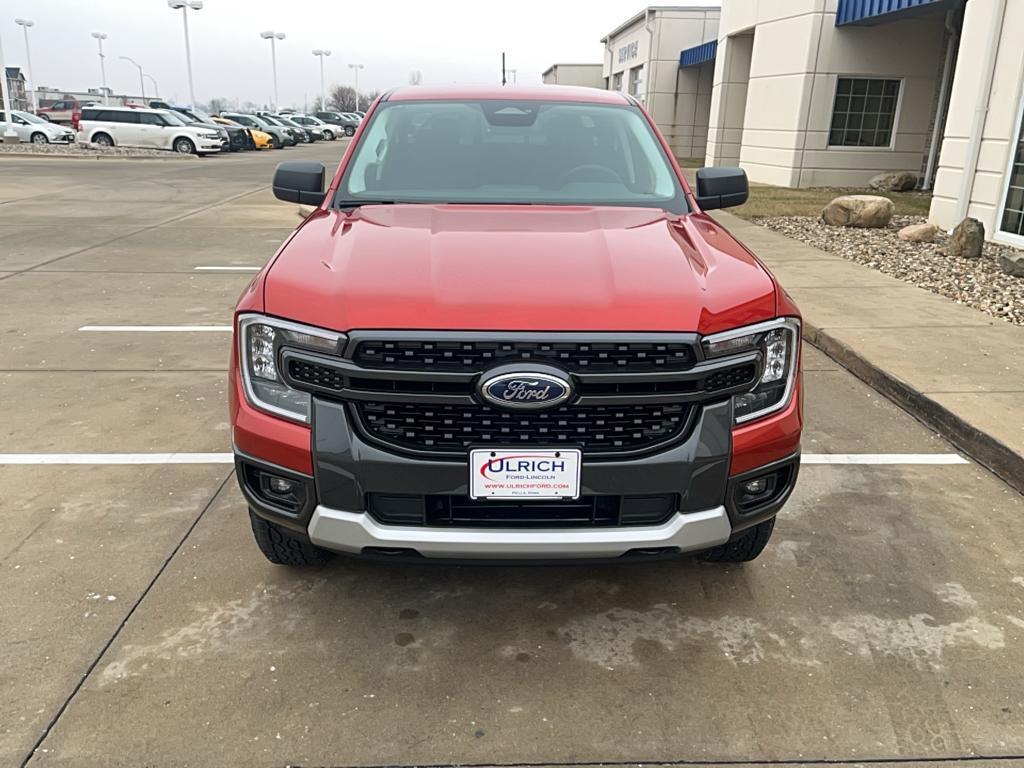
65,112
572,362
312,132
330,132
31,128
347,124
148,128
255,138
235,138
297,135
279,137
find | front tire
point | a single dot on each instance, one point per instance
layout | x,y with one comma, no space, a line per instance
350,131
329,135
103,140
39,138
743,549
184,146
282,548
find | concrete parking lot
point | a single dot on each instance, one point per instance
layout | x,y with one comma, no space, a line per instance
141,626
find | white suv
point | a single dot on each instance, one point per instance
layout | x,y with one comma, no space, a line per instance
148,128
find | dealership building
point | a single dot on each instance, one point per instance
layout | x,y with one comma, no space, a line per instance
813,93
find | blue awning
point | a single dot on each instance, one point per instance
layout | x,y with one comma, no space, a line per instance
867,12
691,57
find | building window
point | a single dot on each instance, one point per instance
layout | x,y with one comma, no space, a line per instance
864,112
1013,212
617,82
635,80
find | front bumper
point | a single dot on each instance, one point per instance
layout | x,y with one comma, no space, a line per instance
346,469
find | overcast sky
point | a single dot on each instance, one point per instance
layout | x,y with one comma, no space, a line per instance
448,41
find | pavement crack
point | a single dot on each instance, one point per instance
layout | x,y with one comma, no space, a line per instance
121,625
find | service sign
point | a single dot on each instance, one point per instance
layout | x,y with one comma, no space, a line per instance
524,474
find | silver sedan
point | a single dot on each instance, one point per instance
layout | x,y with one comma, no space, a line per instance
36,130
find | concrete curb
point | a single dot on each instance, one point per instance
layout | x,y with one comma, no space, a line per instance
74,156
980,446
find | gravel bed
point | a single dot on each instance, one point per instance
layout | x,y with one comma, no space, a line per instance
978,283
88,150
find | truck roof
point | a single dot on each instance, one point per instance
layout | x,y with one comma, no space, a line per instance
525,93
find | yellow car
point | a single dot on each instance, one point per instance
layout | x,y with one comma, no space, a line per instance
260,139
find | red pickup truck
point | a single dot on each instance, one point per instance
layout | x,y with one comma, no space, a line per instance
509,331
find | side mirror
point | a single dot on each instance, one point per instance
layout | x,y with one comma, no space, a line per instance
300,181
721,187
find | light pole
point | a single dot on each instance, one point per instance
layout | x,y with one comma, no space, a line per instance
142,83
273,37
25,24
356,68
320,53
184,5
9,137
156,88
100,37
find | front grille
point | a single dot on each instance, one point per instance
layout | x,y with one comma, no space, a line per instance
463,512
454,428
473,355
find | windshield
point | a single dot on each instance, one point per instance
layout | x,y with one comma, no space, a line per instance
560,153
173,118
270,120
28,117
200,115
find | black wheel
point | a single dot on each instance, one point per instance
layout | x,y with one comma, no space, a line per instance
748,546
103,139
350,131
282,548
39,138
45,117
329,135
184,146
276,143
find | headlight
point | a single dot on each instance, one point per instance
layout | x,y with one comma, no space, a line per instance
260,339
779,344
210,135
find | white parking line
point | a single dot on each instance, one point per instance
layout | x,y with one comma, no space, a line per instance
891,459
227,269
157,328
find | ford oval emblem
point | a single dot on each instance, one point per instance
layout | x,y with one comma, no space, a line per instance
526,390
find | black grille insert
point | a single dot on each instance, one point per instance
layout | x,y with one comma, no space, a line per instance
463,512
454,428
473,355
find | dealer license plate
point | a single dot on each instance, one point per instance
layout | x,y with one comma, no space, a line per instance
519,473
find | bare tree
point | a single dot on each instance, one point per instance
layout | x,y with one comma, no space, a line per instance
217,105
415,77
342,98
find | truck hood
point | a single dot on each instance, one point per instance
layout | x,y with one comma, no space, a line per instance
529,268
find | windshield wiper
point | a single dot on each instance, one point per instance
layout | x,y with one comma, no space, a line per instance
350,204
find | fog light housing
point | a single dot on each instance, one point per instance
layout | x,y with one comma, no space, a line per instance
278,492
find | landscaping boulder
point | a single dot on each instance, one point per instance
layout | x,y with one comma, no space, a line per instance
902,181
867,211
968,239
918,233
1012,263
